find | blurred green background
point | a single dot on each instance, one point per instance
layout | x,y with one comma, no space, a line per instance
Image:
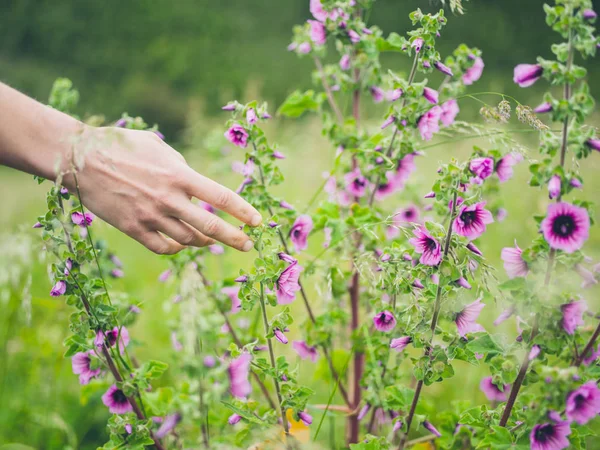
175,64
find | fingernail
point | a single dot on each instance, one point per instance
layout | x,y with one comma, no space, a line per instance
256,220
248,246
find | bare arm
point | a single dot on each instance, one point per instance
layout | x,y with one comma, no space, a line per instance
130,179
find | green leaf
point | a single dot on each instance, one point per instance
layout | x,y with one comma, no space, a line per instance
243,413
298,103
484,344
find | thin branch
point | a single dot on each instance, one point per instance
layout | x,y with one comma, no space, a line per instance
328,92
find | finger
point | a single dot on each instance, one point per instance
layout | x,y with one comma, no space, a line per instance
157,243
184,234
222,198
214,227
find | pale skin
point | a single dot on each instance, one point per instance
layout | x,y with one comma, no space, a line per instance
130,179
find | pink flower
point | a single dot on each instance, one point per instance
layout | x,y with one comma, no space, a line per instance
305,351
554,187
164,276
428,123
354,36
304,48
318,33
493,392
384,321
177,346
527,74
566,227
233,293
400,343
482,167
504,167
377,94
504,315
429,248
237,135
116,401
345,62
431,95
417,44
83,220
466,319
473,73
316,9
300,231
572,315
280,336
82,366
287,283
405,167
251,116
471,220
59,288
239,371
583,404
356,183
110,338
305,417
450,110
514,264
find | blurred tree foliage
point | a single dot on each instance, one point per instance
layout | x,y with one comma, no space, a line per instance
151,57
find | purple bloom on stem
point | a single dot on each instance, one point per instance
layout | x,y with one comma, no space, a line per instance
554,187
501,214
83,220
550,436
239,370
377,94
229,107
287,284
304,48
177,346
429,195
400,343
535,351
572,315
543,108
234,418
429,427
345,62
472,247
589,14
594,144
209,361
417,44
128,428
363,412
390,120
429,248
316,9
482,167
354,36
241,279
251,116
305,417
280,336
110,338
473,73
504,315
493,392
566,226
527,74
384,321
164,276
450,110
121,123
356,183
394,94
168,424
504,167
576,183
443,68
583,404
216,249
82,366
471,220
417,283
305,351
514,264
462,282
237,135
431,95
466,319
37,225
300,231
116,401
428,123
589,279
59,288
233,293
318,33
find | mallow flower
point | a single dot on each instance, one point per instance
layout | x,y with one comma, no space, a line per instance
527,74
239,371
318,33
473,73
384,321
428,123
429,248
514,264
572,315
550,435
583,404
482,167
305,351
116,401
301,228
237,135
471,220
466,319
287,283
493,392
566,227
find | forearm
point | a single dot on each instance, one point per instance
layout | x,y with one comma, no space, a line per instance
34,138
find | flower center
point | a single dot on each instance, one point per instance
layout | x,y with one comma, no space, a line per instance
468,217
430,245
580,400
544,433
563,226
119,397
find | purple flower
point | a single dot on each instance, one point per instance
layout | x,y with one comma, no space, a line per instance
83,220
429,427
237,135
543,108
209,361
417,283
377,94
159,134
527,74
117,273
354,36
37,225
280,336
501,214
384,321
428,123
318,33
390,120
493,392
431,95
59,288
471,220
121,123
550,436
589,14
566,226
110,338
305,351
589,279
410,214
504,167
429,195
363,412
82,366
466,319
462,282
394,94
594,144
234,418
482,167
164,276
300,231
345,62
304,48
417,44
229,107
554,187
128,428
216,249
450,110
534,352
251,116
514,264
233,293
177,346
583,404
504,315
356,183
400,343
116,401
241,279
305,417
239,370
443,68
316,9
572,315
168,424
473,73
429,248
591,357
472,247
287,283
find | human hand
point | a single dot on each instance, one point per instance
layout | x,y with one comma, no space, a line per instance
142,186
